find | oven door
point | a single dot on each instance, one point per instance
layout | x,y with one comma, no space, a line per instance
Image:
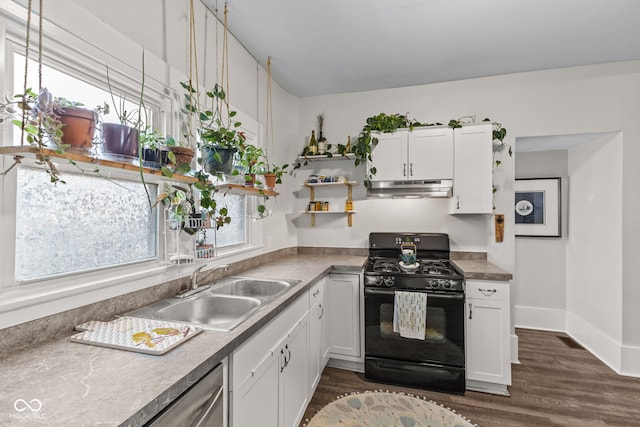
444,343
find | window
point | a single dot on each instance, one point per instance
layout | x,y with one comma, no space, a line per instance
85,224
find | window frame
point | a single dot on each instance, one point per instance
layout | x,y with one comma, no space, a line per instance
85,52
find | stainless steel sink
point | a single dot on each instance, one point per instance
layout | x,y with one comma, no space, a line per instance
221,305
254,288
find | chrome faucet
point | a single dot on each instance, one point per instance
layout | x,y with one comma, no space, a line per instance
194,279
194,275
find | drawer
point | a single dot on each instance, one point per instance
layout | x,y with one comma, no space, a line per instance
485,289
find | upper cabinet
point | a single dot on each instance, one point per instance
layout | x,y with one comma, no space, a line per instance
421,154
472,177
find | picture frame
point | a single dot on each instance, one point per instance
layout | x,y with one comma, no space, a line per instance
537,207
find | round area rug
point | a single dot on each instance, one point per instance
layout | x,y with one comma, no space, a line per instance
385,409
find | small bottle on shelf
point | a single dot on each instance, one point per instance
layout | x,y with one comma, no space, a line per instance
347,148
322,143
313,144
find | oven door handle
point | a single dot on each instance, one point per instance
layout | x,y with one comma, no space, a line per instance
371,291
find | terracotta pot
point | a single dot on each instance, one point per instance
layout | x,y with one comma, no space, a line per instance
183,154
119,140
79,127
270,181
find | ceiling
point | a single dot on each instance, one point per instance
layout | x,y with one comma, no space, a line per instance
338,46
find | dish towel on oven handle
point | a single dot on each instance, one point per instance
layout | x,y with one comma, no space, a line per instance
410,314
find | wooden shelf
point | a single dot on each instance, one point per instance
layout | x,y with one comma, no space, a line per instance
328,184
31,152
329,212
314,213
349,156
246,190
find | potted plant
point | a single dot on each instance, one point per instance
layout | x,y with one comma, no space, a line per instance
79,123
220,137
250,160
37,117
151,150
273,175
179,155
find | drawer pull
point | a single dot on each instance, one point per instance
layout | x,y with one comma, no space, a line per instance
315,294
487,291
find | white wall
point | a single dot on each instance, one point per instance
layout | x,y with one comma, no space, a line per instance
594,250
539,295
591,99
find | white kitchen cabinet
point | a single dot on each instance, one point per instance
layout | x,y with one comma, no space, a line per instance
268,384
344,319
421,154
472,170
318,346
488,326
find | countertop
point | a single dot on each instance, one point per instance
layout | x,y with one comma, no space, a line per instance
78,385
480,269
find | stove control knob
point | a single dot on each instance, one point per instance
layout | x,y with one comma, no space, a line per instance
434,283
379,281
447,284
388,281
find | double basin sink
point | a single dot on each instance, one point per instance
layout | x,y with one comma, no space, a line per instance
221,305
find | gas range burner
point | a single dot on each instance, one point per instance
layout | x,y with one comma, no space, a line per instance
436,267
386,266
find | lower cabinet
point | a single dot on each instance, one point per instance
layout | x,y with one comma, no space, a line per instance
318,346
344,300
269,373
488,331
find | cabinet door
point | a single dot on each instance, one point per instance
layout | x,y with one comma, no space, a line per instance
390,156
343,306
431,154
255,402
294,389
472,176
487,344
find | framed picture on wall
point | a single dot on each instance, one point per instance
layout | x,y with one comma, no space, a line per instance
537,207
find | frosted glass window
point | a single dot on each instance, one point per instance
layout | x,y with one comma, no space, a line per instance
233,233
85,224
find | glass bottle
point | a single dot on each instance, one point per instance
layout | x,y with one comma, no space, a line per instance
322,143
313,144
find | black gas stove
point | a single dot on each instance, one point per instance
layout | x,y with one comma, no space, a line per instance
432,271
436,362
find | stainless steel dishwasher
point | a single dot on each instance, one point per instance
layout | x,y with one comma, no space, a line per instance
199,406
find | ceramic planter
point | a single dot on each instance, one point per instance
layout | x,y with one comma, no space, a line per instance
79,127
119,140
211,165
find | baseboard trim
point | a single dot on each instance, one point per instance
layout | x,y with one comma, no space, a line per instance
597,342
630,361
545,319
346,365
514,349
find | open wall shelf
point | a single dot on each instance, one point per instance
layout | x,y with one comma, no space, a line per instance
28,151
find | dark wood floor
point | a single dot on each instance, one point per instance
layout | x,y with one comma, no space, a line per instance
555,385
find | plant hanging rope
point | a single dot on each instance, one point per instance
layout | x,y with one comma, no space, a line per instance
269,132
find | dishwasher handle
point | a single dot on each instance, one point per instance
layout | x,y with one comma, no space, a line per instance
204,419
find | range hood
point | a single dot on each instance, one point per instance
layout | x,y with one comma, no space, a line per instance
410,189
